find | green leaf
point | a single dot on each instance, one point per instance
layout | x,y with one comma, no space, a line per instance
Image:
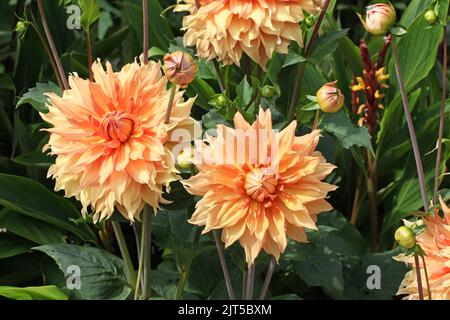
29,228
417,53
212,119
102,275
31,198
35,159
33,293
293,58
322,270
327,44
12,245
104,23
90,12
36,98
105,46
345,131
244,92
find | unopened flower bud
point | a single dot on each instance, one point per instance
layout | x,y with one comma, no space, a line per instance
184,159
21,28
267,92
310,21
405,237
431,16
221,101
180,68
330,98
379,18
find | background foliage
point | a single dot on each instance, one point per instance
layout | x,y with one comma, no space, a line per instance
44,233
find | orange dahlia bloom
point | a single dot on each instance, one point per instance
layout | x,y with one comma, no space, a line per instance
260,191
110,140
435,242
224,29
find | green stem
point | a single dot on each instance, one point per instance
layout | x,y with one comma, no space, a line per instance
170,104
124,251
223,263
181,284
144,256
219,76
301,68
52,45
250,282
89,53
145,30
270,270
419,277
426,277
412,132
441,119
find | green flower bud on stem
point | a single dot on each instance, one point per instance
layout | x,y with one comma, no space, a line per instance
405,237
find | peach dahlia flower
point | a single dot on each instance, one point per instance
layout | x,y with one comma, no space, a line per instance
263,197
224,29
435,242
110,139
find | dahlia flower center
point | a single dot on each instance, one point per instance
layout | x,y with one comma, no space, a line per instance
118,125
260,184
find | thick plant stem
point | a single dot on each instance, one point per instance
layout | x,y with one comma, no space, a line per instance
268,279
441,119
144,257
419,277
48,51
124,251
89,53
301,68
412,132
373,203
147,236
52,45
356,200
223,263
416,151
181,284
170,104
219,76
426,277
250,282
145,30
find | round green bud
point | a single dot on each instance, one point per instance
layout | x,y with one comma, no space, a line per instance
310,21
405,237
267,92
221,101
431,16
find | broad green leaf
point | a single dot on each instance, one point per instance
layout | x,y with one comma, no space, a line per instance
212,119
32,229
417,53
327,44
104,23
34,159
244,92
345,131
12,245
323,270
107,45
102,275
90,12
36,98
293,58
414,9
33,293
31,198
